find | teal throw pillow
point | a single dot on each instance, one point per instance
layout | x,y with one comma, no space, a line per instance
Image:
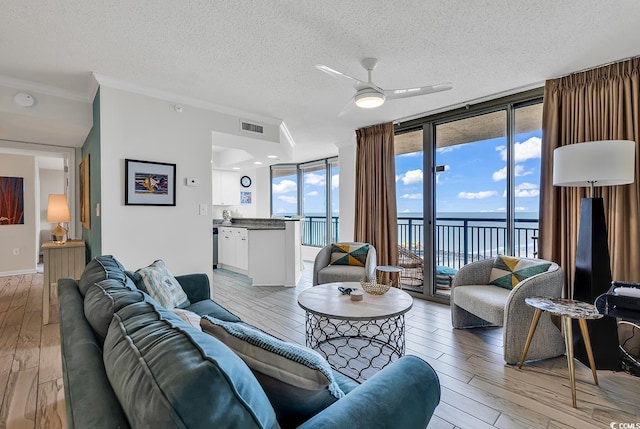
508,271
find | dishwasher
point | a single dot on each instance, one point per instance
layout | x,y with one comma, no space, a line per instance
215,247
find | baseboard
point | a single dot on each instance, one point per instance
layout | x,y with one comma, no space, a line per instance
17,273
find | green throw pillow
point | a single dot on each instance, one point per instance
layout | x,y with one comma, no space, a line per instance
508,271
349,254
162,286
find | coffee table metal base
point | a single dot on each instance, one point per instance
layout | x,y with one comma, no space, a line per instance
357,348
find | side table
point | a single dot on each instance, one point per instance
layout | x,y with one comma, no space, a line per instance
567,309
60,260
385,271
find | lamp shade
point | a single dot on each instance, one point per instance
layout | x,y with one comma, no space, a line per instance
597,163
58,209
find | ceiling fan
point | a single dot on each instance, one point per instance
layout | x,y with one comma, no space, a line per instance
369,95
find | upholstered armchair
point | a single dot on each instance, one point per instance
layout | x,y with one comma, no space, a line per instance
326,272
476,303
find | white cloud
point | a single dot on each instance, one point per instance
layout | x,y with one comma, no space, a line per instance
521,209
313,194
439,173
477,195
447,149
280,210
528,149
398,178
314,179
288,199
502,173
335,181
412,196
527,190
284,186
412,177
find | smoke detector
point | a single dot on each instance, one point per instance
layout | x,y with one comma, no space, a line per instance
24,100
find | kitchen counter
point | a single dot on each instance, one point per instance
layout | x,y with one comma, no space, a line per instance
255,223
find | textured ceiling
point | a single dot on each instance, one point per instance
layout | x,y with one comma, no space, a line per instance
259,56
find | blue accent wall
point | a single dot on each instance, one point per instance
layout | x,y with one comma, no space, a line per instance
91,146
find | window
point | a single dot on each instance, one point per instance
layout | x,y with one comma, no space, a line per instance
284,190
316,199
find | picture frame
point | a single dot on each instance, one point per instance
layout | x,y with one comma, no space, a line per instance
245,197
85,191
149,183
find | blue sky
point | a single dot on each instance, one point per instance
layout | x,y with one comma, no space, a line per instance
474,180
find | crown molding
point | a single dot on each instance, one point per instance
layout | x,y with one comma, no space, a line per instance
23,85
110,82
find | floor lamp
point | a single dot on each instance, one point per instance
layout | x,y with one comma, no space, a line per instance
598,163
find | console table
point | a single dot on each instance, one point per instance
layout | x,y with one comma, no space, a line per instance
60,260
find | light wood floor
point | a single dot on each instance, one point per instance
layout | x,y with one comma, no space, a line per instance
478,389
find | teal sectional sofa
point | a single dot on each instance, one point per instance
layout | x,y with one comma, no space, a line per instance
129,363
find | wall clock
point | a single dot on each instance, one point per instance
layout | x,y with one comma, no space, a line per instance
245,181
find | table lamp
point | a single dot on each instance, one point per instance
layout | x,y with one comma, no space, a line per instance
58,212
597,163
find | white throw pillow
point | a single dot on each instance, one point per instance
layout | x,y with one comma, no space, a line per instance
190,317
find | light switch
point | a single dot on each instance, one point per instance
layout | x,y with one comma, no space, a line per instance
203,209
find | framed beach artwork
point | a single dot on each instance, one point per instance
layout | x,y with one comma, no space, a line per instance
11,200
149,183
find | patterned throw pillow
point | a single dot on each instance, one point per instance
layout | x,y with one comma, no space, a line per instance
349,254
290,363
162,286
508,271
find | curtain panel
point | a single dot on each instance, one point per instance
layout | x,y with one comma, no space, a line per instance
597,104
376,218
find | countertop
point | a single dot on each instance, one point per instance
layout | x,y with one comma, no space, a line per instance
254,223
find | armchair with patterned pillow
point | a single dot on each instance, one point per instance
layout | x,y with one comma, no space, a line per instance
491,292
345,262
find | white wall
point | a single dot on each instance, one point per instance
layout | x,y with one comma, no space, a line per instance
145,128
22,237
51,182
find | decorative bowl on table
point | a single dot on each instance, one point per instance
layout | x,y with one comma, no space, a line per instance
374,288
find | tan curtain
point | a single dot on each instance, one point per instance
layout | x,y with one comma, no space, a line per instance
375,206
598,104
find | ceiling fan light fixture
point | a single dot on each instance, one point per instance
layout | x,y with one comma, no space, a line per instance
369,98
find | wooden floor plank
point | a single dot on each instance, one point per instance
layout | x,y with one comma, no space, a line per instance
19,406
51,409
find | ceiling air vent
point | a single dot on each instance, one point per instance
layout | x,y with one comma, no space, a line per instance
251,128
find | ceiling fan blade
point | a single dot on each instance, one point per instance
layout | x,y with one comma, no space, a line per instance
351,104
336,73
393,94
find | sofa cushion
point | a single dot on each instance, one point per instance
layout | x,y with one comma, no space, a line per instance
162,285
508,271
349,254
298,381
105,298
485,301
209,308
102,268
341,273
166,374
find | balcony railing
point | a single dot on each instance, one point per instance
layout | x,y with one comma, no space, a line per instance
458,240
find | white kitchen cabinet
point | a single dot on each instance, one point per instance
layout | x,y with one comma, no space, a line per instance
233,245
225,188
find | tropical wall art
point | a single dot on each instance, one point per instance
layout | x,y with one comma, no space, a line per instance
149,183
11,200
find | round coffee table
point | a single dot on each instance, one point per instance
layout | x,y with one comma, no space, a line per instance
357,338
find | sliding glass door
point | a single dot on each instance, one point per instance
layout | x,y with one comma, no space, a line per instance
469,193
